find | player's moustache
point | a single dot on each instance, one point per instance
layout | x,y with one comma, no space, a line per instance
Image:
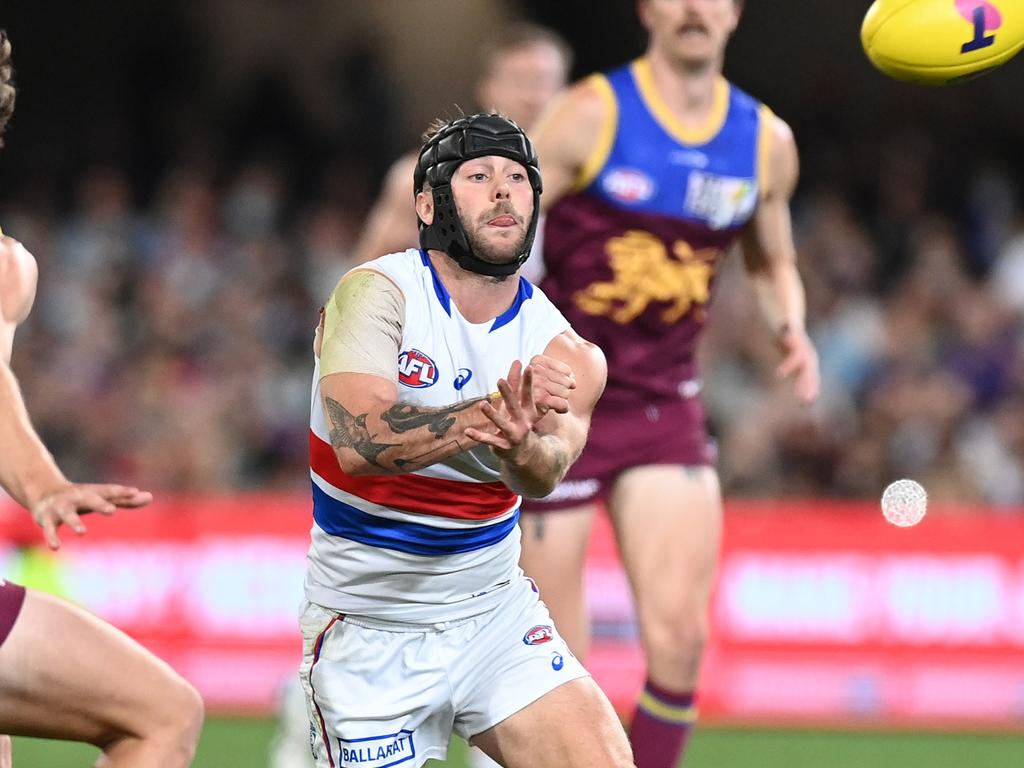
693,22
502,208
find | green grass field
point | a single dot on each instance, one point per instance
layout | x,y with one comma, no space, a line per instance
231,743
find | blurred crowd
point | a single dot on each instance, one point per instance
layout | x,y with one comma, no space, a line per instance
170,345
918,316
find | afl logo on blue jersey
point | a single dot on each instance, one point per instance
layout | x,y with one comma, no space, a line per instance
416,370
628,185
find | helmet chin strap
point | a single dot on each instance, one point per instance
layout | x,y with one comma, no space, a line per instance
471,262
451,238
460,140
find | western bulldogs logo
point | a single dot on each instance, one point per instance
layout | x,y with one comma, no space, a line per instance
538,635
629,185
416,370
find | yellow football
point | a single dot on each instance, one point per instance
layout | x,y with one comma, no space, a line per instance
936,42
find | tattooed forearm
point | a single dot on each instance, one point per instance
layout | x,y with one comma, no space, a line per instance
411,436
428,458
403,417
349,431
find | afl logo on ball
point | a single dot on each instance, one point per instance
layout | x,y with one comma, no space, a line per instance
416,370
538,635
628,185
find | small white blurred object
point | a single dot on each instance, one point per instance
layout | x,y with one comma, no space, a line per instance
904,503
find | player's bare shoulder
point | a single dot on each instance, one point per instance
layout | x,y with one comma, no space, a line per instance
570,131
578,115
590,99
783,163
587,362
18,276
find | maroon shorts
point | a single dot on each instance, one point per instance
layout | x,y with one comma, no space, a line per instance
11,598
666,432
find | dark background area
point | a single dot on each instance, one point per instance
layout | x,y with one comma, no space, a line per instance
130,83
192,176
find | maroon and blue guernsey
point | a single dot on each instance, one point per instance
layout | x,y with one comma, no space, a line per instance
631,255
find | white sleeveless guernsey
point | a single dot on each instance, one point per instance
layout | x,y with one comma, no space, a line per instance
433,545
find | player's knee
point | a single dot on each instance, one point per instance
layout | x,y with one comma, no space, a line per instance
165,733
679,640
188,713
177,720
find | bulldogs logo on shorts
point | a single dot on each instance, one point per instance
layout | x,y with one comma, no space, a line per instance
416,370
542,633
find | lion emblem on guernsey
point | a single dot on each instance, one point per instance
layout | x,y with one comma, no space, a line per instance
645,272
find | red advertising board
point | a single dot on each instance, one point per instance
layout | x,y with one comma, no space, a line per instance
823,612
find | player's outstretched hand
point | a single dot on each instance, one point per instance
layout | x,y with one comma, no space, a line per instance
513,415
66,504
800,360
553,380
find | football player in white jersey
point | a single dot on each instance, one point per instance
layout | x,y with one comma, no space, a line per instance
522,67
419,622
64,673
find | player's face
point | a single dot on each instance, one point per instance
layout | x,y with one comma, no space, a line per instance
691,32
495,203
523,81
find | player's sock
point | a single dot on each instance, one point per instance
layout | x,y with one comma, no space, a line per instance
661,726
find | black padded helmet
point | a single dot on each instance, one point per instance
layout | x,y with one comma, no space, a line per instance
460,140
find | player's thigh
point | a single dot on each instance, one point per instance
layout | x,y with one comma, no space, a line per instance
668,523
571,726
67,674
554,556
555,549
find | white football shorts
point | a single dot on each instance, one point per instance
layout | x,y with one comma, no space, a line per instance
383,693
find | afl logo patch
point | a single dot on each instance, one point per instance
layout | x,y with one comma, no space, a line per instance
416,370
628,185
538,635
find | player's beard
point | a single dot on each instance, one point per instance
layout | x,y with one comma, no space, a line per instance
495,252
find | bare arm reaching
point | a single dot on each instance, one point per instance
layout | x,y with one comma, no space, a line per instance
770,258
28,472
